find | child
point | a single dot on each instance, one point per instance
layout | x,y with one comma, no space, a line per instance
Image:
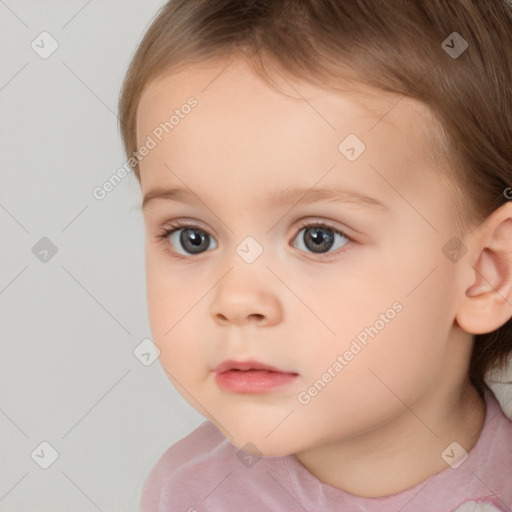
326,190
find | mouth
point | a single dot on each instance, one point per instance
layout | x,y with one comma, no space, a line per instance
251,377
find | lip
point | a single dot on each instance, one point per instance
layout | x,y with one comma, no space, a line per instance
246,365
251,376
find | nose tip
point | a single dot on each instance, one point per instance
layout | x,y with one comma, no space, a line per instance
256,316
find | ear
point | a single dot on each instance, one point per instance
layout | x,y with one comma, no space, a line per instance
487,303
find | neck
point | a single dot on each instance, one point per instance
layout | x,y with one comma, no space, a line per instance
403,452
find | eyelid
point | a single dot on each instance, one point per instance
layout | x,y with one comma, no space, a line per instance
172,226
311,221
302,223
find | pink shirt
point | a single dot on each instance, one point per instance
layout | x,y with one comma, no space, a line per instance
205,472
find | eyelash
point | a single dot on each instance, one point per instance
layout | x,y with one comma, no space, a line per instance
170,228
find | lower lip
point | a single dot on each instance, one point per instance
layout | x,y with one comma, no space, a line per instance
252,381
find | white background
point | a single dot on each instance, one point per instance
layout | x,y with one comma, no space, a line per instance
69,326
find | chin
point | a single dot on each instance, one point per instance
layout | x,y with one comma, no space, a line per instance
264,450
253,441
260,432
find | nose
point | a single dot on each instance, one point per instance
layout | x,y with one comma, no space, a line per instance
254,317
238,301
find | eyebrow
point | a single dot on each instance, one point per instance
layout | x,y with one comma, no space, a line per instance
278,198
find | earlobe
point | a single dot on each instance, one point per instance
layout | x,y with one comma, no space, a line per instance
487,303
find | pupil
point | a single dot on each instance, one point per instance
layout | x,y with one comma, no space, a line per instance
321,239
192,240
196,240
318,237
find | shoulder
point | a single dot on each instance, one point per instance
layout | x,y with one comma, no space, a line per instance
500,423
192,449
179,470
491,465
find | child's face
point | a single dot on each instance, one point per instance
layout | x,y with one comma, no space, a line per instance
389,286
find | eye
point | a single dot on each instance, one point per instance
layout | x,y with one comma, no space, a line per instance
318,238
194,239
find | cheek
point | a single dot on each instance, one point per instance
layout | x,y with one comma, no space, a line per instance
399,365
394,328
166,302
177,312
408,356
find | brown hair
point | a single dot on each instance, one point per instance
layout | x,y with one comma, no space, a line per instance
398,46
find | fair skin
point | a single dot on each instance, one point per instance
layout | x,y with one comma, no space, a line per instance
381,424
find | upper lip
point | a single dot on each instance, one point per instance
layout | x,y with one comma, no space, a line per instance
246,365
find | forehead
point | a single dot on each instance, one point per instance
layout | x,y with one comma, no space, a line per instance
232,81
242,129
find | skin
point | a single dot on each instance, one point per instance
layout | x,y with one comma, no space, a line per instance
381,424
